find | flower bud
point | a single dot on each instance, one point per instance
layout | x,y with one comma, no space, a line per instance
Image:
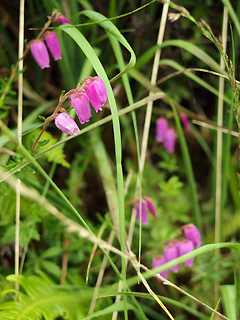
40,53
66,124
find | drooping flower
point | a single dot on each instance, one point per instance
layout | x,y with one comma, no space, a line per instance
66,124
161,129
63,20
157,262
150,206
192,233
144,214
146,203
169,140
184,247
170,252
185,121
53,45
80,103
96,91
40,53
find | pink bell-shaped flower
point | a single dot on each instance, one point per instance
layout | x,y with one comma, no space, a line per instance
192,233
146,203
150,206
184,247
144,214
170,252
169,140
40,53
185,121
157,262
161,129
66,124
96,91
63,20
80,103
53,45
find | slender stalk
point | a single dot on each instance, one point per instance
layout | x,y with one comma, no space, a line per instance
19,121
153,82
219,147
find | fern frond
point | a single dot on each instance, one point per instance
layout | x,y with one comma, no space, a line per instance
43,299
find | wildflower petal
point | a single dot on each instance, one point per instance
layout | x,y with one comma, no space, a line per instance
63,20
185,121
169,140
170,252
40,53
184,247
66,124
80,103
150,206
192,233
144,213
53,45
157,262
161,129
96,91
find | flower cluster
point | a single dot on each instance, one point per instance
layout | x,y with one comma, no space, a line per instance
146,204
92,90
39,49
177,248
165,134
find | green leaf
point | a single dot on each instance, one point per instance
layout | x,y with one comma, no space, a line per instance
229,301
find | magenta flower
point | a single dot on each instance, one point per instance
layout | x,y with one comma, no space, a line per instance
157,262
40,53
192,233
53,45
170,253
66,124
63,20
150,206
184,247
144,213
145,204
169,140
96,91
80,103
185,121
161,129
